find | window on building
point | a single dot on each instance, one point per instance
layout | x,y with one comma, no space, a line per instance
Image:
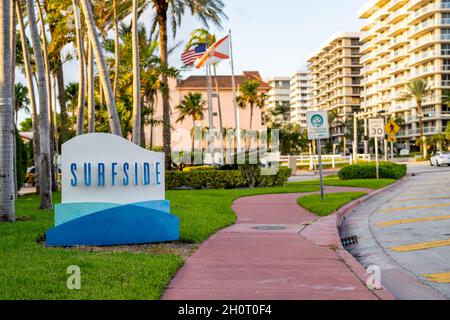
446,80
445,18
445,49
445,4
445,33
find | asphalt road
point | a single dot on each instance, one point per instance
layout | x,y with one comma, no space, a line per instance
406,232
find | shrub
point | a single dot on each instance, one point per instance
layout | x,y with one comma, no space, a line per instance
387,170
222,179
199,168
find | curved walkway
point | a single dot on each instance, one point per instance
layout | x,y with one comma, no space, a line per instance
249,262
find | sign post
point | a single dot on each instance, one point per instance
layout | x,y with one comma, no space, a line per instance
318,129
376,131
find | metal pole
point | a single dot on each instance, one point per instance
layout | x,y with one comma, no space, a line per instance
236,110
392,151
376,157
385,140
319,149
211,115
355,138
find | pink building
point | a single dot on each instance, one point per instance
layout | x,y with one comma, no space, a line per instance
178,89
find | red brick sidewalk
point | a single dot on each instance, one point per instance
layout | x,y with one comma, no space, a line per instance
242,263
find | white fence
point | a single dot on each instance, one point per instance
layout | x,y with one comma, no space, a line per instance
313,161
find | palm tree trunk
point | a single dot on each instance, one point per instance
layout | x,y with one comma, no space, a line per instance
91,89
7,191
251,115
31,93
12,39
55,119
51,108
161,12
152,118
81,70
113,117
422,136
45,182
116,50
136,78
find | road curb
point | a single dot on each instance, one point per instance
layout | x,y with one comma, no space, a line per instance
325,232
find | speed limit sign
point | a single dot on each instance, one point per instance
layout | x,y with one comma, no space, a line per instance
376,128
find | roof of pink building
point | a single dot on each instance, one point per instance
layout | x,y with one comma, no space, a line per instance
224,82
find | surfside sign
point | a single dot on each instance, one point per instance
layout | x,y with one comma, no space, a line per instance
113,193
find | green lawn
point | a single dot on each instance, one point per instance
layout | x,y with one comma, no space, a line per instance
330,203
28,270
358,183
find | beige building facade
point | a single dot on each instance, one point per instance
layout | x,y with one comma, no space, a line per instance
402,41
279,97
181,139
336,81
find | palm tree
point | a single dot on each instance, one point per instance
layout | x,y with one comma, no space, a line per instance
45,183
207,11
249,96
7,188
81,69
30,85
137,119
193,106
418,90
21,100
90,91
113,116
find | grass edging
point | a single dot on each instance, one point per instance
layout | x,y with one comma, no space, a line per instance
331,202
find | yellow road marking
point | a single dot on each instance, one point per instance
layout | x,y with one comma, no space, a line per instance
438,277
422,246
405,221
418,199
439,205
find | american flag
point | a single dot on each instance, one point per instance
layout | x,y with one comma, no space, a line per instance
188,57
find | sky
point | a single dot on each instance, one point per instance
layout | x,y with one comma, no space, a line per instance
272,37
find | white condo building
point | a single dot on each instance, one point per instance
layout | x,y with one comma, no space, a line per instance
301,95
279,95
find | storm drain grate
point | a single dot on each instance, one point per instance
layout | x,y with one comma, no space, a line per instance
346,242
269,228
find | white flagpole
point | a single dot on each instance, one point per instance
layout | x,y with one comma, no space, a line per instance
236,110
210,112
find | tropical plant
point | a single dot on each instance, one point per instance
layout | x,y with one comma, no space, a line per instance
192,106
293,139
21,100
113,117
249,96
151,71
279,115
207,11
417,90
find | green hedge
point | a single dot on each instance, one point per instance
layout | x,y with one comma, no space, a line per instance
199,168
221,179
387,170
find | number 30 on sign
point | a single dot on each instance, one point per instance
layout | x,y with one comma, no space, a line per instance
376,128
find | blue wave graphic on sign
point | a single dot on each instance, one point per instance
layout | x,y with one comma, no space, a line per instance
105,224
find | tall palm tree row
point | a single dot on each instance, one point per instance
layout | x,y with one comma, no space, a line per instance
7,188
113,116
417,90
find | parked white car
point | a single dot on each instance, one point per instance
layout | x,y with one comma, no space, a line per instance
440,158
